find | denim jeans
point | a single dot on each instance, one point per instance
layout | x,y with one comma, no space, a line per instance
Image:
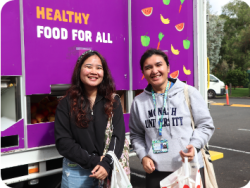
74,176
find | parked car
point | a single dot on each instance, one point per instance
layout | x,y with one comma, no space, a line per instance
216,87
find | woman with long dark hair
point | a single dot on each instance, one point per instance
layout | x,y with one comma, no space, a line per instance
81,119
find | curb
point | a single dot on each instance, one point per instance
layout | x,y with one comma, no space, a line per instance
232,97
216,155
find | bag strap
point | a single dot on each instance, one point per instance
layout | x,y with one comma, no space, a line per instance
111,124
189,104
210,179
110,119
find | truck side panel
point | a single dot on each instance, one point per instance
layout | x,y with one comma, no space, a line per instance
57,32
175,22
10,40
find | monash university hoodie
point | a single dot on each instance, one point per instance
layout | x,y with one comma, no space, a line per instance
176,126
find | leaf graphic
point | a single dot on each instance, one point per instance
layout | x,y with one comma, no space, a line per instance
182,1
160,36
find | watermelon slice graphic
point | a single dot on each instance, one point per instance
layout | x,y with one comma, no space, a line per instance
179,27
147,11
174,74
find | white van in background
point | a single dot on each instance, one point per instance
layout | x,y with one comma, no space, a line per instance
216,87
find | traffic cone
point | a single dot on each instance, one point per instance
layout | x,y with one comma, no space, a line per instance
227,97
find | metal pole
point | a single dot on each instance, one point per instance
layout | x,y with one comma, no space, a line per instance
130,91
22,79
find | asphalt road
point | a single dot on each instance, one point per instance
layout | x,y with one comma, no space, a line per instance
231,137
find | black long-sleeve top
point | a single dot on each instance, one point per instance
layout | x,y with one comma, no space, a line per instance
85,146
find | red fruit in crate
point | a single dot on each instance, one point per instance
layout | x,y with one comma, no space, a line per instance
33,116
42,107
51,117
33,121
50,109
45,100
40,117
33,109
186,186
45,112
54,110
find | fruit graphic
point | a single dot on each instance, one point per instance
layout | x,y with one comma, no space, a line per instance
145,40
186,186
182,1
174,74
147,11
165,21
160,36
174,51
180,27
166,2
186,44
187,72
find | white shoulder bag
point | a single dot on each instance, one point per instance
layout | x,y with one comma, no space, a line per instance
119,177
209,174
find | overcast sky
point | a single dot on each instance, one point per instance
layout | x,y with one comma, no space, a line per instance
217,4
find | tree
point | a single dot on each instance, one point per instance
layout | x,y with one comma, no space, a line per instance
237,77
214,36
220,70
236,42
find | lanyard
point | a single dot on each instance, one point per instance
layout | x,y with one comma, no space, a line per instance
160,122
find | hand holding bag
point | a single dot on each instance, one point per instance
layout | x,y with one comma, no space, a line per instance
210,179
119,177
124,160
188,176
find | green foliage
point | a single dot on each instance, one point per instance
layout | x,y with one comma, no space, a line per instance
249,89
237,77
236,42
238,92
220,70
215,35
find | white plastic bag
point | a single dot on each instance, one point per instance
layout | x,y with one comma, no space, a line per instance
188,176
119,177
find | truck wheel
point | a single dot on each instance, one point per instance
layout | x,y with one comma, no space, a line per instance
211,94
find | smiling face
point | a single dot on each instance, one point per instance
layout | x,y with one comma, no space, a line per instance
92,72
155,70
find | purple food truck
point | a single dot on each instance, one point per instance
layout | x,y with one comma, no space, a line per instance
40,43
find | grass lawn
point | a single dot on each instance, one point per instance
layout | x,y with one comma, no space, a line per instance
239,92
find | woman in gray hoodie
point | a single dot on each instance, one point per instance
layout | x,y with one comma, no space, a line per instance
160,122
